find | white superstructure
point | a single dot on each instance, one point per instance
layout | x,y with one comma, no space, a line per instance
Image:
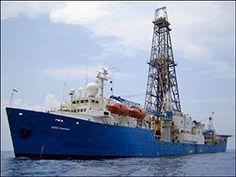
90,104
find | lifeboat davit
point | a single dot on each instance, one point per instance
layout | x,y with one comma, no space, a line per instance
137,113
118,108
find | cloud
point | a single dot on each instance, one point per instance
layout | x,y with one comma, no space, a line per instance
107,19
81,72
83,13
14,9
198,33
192,50
117,51
84,72
219,69
199,36
131,22
19,103
222,100
50,102
29,9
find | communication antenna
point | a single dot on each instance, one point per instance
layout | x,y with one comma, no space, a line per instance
101,77
86,81
63,92
113,69
12,93
133,96
210,124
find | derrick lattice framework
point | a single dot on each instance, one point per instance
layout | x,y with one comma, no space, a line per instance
161,75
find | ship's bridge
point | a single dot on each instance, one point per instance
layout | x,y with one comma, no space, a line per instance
88,104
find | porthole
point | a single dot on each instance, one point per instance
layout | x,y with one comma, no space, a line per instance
77,123
20,113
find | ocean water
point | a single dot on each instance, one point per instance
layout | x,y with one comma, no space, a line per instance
215,164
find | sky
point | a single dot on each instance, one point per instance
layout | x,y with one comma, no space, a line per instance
49,48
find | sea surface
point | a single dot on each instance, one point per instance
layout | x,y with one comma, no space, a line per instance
215,164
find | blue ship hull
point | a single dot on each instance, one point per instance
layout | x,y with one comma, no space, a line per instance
38,135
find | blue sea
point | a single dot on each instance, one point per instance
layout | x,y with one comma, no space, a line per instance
215,164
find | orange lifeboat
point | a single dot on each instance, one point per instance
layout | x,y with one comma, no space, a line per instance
137,113
118,108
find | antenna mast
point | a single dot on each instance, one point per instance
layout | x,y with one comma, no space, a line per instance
114,69
210,124
102,76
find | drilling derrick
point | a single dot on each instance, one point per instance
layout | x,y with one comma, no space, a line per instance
162,90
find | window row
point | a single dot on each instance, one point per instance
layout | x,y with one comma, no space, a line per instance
85,101
81,110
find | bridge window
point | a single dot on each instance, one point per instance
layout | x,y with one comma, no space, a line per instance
86,101
82,101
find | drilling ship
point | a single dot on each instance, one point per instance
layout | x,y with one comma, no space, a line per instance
90,126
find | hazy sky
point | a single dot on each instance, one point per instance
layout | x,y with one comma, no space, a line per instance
48,47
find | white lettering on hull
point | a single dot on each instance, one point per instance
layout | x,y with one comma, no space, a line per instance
60,128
